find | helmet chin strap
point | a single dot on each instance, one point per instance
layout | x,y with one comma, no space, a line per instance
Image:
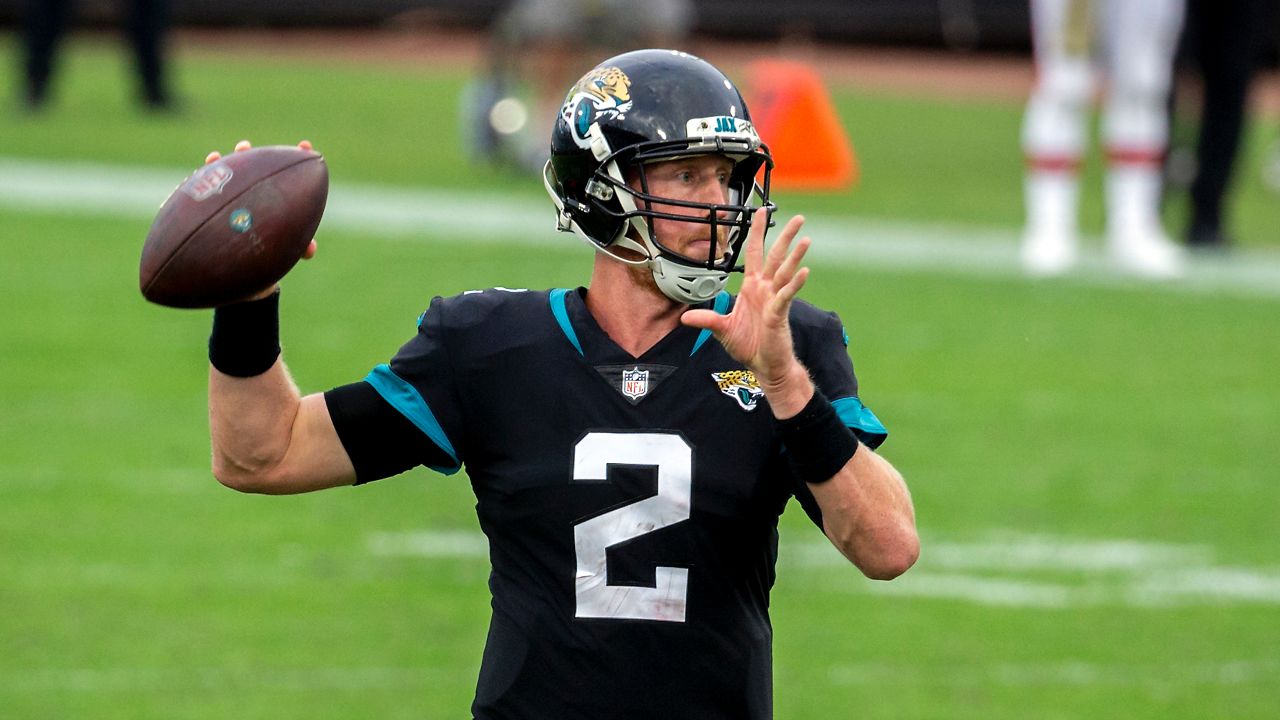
685,284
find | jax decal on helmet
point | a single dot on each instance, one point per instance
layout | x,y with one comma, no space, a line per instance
650,106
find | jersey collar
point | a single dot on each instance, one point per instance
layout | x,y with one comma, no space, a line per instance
581,330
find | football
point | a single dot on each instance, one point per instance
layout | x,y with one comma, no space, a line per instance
234,227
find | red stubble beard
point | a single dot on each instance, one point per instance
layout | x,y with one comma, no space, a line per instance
695,249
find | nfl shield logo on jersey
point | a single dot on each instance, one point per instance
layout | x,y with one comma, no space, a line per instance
635,383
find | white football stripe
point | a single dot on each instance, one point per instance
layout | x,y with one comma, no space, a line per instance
1066,673
448,215
125,679
1004,569
979,590
429,544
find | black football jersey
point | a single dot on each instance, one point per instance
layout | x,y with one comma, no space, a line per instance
631,504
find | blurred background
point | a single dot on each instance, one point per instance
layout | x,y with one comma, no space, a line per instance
1093,456
962,24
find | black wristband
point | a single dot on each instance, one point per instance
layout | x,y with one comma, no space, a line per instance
817,442
246,337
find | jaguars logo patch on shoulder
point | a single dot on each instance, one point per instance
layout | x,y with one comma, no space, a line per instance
741,385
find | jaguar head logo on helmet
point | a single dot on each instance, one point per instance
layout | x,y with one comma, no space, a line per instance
646,107
603,92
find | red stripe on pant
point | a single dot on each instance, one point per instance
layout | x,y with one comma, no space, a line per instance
1053,163
1135,157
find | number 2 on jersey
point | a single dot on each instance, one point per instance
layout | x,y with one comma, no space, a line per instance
672,457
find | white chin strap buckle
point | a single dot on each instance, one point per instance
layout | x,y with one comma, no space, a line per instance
705,287
685,284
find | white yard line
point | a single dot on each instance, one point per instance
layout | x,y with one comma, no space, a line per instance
447,215
429,544
130,680
1067,673
1015,552
1003,569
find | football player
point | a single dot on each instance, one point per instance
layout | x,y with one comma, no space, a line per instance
631,444
1132,43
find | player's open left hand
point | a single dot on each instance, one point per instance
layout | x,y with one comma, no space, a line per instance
757,332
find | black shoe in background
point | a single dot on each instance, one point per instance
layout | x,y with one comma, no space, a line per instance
1207,237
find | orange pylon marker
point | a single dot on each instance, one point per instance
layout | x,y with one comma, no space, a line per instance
794,115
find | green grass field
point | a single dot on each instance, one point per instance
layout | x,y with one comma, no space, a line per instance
1093,465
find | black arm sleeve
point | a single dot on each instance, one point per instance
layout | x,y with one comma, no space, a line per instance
380,441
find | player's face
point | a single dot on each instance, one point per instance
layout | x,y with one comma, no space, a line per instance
704,179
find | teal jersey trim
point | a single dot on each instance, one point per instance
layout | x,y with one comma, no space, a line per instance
721,306
562,316
859,417
408,401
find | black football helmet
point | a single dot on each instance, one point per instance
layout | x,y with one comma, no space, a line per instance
649,106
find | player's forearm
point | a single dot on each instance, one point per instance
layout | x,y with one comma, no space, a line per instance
789,392
866,509
867,514
266,437
250,425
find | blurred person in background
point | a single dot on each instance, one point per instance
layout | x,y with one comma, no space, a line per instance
535,50
1224,43
1271,167
1130,44
44,22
